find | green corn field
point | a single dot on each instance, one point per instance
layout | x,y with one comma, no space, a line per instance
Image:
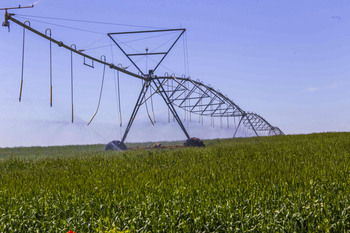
296,183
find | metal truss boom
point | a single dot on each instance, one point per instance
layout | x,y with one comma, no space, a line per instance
187,94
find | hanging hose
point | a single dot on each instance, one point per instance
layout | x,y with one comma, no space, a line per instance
21,87
71,79
120,108
103,58
149,116
117,90
228,123
154,117
189,102
49,30
150,92
168,108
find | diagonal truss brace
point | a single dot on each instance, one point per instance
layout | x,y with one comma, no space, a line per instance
142,99
165,53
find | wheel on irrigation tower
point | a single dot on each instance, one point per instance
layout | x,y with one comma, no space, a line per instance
116,145
194,142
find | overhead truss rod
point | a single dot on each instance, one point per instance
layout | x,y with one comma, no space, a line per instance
74,50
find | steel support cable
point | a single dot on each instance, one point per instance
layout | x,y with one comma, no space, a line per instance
143,56
125,43
172,38
165,67
184,51
22,73
149,37
188,64
98,47
72,81
121,42
132,62
187,111
155,68
89,21
186,69
63,26
49,30
95,42
102,83
61,44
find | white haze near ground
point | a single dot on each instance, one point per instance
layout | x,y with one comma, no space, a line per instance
22,126
55,131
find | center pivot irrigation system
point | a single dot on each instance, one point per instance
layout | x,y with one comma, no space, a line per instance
178,92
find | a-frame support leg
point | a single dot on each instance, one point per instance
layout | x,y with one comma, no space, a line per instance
240,121
136,108
170,105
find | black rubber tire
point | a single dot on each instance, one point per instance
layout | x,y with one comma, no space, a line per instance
194,142
116,145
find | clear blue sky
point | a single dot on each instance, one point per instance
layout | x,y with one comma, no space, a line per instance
285,60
